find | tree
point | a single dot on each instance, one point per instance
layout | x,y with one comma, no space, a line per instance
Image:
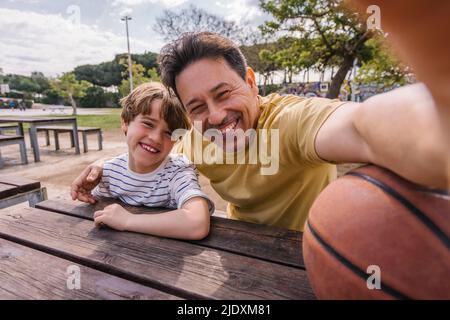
68,86
383,69
109,73
336,34
140,76
192,19
41,81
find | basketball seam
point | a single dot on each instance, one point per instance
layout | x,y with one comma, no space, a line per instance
355,269
408,205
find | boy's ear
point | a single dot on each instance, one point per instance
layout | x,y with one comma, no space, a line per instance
124,126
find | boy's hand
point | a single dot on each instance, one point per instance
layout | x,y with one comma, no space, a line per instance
88,179
114,216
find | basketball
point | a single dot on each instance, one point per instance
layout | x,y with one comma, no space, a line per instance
373,235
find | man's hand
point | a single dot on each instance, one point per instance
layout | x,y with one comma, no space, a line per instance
88,179
114,216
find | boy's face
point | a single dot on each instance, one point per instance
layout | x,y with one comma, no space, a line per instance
148,139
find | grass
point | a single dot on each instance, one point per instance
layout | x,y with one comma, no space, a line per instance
104,121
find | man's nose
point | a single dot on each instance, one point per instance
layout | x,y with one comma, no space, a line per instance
216,115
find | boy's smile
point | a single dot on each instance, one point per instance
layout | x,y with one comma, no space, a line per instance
148,139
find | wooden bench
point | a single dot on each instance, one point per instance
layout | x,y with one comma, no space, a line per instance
64,129
15,189
6,140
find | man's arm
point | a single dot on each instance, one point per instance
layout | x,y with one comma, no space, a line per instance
397,130
86,181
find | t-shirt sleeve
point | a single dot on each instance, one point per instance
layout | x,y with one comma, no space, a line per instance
102,189
306,118
184,186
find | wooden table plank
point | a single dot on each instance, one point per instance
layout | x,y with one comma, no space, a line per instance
7,190
177,267
23,184
26,273
250,239
33,119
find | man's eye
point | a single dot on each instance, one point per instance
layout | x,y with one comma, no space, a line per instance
223,93
197,109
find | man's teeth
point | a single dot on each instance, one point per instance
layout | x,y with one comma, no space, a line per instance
229,127
148,148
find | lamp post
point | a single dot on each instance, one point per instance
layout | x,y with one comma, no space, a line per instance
126,18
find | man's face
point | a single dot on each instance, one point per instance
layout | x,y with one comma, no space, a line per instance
215,95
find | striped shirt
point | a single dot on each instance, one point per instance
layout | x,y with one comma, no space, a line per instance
173,183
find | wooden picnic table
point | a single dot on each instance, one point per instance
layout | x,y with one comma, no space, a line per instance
15,189
35,122
238,260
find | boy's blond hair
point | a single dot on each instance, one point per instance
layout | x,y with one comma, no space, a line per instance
139,101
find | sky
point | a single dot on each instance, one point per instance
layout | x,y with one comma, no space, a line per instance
54,36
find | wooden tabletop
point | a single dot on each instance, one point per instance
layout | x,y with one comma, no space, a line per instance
12,185
238,260
34,119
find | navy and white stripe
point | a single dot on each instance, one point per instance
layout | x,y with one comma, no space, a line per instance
170,186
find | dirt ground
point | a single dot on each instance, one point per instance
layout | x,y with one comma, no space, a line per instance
57,169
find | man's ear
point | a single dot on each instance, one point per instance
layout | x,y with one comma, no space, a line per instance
251,80
124,127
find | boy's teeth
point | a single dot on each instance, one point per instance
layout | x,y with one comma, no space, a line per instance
148,148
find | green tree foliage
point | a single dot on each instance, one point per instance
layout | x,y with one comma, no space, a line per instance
332,34
68,86
383,69
107,74
140,76
36,83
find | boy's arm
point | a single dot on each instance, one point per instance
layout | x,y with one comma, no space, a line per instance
190,222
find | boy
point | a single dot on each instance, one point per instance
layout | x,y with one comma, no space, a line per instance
148,175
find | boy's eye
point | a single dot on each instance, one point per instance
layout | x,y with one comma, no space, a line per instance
148,124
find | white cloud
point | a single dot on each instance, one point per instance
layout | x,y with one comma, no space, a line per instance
240,10
32,41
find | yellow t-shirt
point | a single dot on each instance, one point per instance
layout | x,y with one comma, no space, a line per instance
283,198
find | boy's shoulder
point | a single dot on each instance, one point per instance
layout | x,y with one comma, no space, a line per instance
121,161
178,162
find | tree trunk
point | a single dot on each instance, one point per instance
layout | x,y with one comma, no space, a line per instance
339,77
74,105
264,85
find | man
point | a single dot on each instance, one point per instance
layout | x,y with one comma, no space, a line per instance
210,76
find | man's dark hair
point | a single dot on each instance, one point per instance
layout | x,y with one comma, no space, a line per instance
193,46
